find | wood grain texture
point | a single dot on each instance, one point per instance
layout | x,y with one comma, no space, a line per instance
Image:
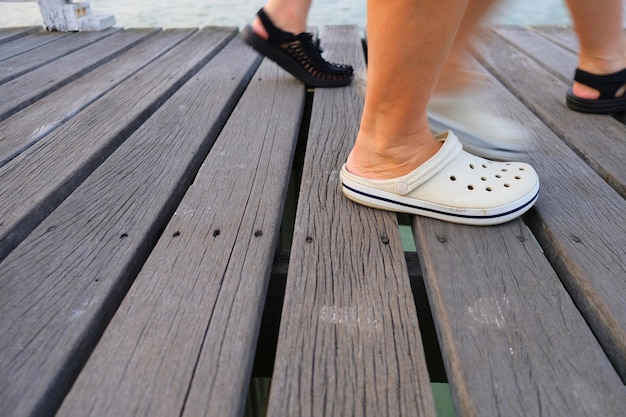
513,341
564,36
23,129
31,86
14,67
11,34
28,43
349,340
38,180
580,220
196,306
63,283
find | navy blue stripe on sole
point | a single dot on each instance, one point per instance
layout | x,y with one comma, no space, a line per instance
522,208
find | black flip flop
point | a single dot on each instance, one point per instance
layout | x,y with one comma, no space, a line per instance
298,55
608,86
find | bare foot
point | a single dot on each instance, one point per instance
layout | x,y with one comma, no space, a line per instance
599,67
259,29
584,91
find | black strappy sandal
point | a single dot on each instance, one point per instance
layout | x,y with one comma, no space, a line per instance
608,86
298,55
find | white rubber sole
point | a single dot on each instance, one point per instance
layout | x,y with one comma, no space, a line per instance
477,217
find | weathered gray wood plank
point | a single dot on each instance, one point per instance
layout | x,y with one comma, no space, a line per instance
513,341
29,42
561,35
10,34
549,54
38,180
349,340
23,129
26,89
580,220
18,65
63,283
220,247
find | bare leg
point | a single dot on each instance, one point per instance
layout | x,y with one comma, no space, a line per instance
452,76
599,25
454,104
288,15
408,42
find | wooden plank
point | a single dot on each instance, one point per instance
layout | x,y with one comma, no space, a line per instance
31,86
55,305
564,36
221,243
580,221
597,138
14,67
513,341
559,61
349,340
23,129
10,34
38,180
29,42
268,334
28,88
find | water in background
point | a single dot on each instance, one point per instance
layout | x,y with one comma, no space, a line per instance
199,13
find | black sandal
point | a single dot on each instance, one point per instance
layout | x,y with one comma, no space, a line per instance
298,55
608,86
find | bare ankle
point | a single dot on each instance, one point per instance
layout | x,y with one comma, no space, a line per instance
391,163
290,20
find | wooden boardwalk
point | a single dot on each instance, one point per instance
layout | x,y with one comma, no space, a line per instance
154,185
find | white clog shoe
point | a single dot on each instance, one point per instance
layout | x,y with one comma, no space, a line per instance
454,186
